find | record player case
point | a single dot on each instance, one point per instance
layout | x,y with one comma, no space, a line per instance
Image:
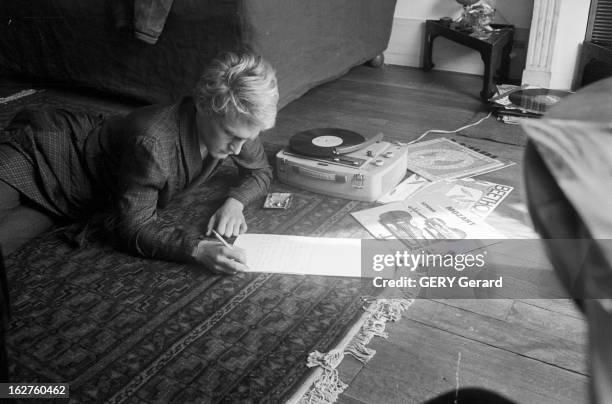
362,175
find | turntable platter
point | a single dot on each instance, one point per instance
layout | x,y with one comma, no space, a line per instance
323,142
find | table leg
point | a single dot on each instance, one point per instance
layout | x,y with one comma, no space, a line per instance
428,51
505,63
491,59
487,79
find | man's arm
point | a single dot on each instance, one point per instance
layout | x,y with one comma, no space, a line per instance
255,173
143,175
255,178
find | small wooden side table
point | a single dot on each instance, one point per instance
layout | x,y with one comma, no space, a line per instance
494,49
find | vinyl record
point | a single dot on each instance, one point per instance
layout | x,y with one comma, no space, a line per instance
323,142
537,99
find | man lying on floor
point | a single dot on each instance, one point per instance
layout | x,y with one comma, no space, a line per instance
60,164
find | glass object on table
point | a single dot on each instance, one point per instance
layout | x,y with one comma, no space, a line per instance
476,18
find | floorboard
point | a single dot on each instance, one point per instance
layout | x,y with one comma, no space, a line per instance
401,102
566,307
561,346
419,361
567,327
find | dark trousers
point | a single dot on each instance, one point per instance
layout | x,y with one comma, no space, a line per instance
20,220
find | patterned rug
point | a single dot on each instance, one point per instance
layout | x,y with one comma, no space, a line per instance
123,329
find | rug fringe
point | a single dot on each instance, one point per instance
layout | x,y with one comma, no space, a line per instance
328,386
16,96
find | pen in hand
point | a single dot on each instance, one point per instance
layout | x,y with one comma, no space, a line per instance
238,253
221,239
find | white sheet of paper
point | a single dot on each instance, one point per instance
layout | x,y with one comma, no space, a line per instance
301,255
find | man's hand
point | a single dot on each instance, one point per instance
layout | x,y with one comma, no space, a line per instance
228,220
219,258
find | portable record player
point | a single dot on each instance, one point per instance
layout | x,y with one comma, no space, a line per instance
341,163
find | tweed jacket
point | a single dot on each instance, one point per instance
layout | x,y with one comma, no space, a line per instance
149,156
73,164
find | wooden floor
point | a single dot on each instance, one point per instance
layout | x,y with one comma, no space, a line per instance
532,351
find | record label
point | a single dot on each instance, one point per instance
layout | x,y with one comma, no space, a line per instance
327,141
546,99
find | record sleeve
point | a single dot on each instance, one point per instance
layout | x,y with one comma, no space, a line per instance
442,158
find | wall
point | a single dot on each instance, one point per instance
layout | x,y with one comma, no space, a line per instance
572,26
406,43
557,31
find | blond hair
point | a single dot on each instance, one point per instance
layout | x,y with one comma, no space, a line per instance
239,86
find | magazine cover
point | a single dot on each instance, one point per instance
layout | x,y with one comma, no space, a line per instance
474,197
423,223
477,197
442,158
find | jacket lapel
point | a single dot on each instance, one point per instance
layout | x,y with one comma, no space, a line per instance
197,171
